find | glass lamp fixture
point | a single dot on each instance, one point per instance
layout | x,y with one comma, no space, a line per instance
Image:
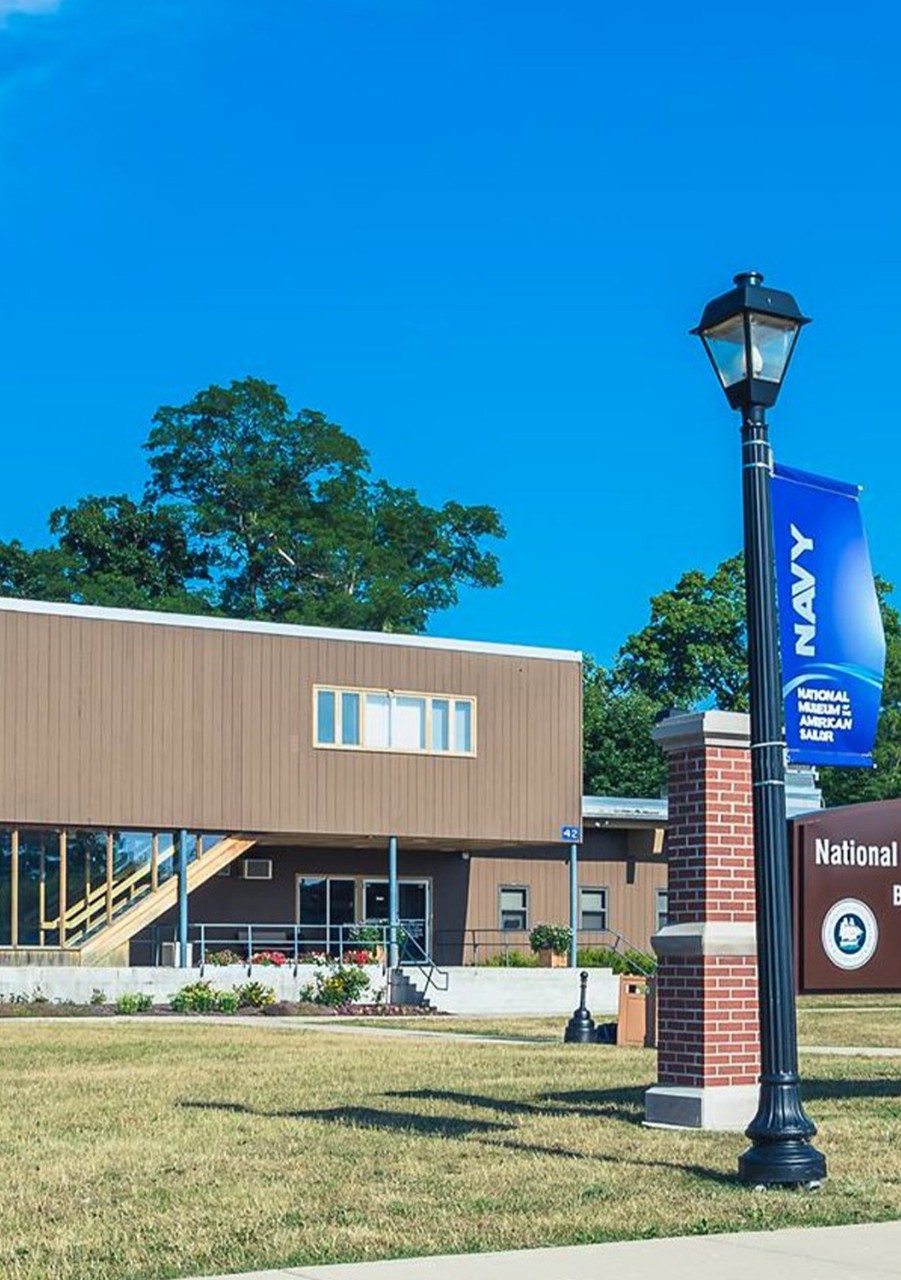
749,334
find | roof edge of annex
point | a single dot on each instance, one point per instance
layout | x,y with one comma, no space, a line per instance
11,604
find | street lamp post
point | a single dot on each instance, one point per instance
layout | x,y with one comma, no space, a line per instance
749,334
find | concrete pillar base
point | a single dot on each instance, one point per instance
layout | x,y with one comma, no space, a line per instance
728,1108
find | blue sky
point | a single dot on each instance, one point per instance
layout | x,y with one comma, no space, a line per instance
475,232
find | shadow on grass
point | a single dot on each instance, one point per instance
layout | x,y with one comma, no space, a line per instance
564,1153
623,1103
820,1089
626,1104
367,1118
485,1132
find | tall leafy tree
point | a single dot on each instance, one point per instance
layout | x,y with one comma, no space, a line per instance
129,554
620,757
293,527
693,653
258,512
693,650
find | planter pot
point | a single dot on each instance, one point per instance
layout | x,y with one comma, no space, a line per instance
548,959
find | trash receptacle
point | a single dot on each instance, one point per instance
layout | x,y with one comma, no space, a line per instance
631,1025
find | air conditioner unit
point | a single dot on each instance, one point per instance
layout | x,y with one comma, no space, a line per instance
170,955
256,869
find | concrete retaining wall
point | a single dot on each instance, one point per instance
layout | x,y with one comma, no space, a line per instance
473,990
77,984
470,990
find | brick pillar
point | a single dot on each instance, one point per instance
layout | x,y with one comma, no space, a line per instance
707,1045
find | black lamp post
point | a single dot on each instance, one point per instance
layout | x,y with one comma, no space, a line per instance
749,334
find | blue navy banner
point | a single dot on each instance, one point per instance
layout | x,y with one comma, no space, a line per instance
833,646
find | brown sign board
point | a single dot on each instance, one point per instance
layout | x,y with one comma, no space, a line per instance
847,890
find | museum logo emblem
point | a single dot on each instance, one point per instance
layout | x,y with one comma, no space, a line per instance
850,933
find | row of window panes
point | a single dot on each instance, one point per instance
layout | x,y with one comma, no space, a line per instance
514,908
373,720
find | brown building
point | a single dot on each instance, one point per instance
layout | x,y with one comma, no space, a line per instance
138,741
166,778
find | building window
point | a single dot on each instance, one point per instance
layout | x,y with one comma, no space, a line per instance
385,720
593,910
661,908
514,907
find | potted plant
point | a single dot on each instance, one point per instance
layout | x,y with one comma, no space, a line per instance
551,942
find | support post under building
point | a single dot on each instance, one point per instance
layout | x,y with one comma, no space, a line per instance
393,911
183,899
573,903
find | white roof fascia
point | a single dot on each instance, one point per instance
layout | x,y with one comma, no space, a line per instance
149,617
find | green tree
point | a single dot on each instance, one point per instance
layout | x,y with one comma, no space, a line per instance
693,653
854,786
42,574
292,527
257,512
129,555
620,758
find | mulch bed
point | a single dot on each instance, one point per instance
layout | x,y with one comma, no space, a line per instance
282,1008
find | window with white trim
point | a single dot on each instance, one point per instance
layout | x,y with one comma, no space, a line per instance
593,910
394,720
513,904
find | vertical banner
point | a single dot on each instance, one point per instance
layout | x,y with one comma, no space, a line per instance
831,637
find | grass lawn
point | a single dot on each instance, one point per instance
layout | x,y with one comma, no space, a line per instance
862,1021
154,1150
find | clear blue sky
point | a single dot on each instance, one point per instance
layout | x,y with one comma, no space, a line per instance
475,232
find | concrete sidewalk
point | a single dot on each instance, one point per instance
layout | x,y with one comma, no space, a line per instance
869,1252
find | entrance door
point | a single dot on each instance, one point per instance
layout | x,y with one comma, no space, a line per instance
413,910
325,909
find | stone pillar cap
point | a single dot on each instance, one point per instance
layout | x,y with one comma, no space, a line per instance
704,729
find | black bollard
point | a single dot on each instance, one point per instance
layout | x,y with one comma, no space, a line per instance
581,1029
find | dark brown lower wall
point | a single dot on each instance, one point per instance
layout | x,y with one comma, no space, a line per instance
464,892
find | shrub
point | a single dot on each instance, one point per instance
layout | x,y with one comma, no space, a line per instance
619,961
98,996
225,956
370,934
253,995
510,960
338,984
132,1002
551,937
199,997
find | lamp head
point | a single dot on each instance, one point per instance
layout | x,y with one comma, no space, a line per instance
749,334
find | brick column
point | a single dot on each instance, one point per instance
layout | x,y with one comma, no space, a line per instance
707,1045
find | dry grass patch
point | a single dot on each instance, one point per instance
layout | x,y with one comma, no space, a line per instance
161,1150
860,1027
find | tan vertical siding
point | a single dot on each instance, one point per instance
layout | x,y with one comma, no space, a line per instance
605,863
131,724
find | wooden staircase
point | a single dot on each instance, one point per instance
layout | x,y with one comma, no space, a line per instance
111,913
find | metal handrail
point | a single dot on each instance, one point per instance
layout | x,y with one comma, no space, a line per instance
426,965
295,941
481,944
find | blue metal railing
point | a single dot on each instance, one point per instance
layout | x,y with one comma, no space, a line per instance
248,941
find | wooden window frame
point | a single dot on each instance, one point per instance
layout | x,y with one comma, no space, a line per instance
428,750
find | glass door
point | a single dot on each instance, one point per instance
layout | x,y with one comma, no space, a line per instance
325,910
413,909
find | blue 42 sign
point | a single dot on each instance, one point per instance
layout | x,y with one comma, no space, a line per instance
571,835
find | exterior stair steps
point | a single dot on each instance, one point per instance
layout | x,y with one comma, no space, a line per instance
97,928
405,991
